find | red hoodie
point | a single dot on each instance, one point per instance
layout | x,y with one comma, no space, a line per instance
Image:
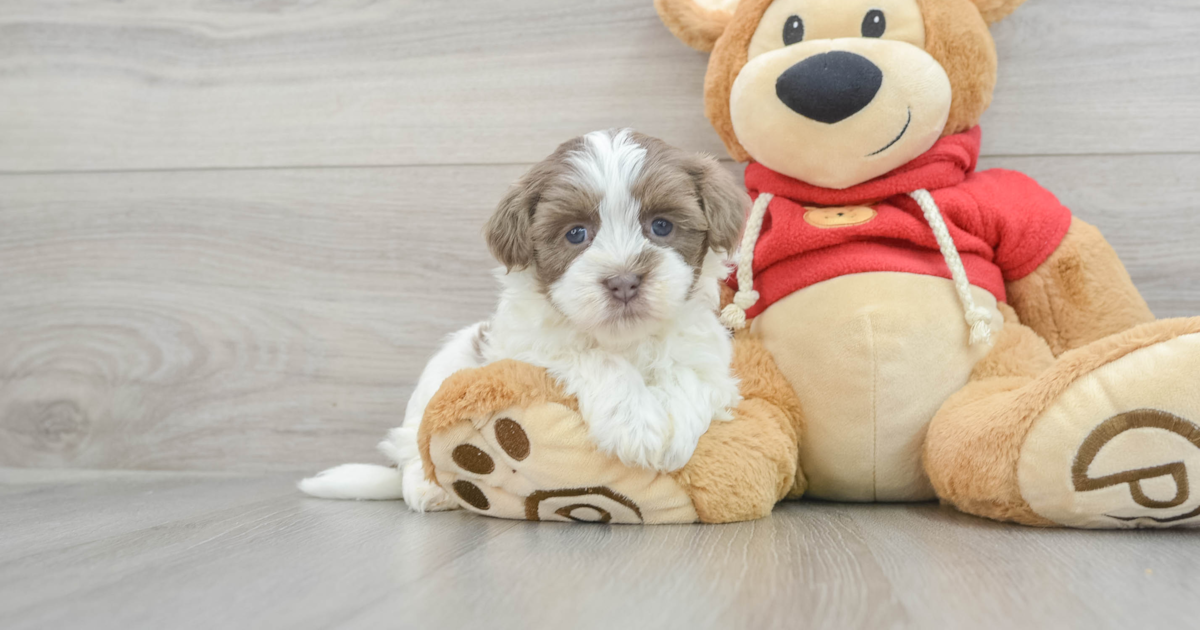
1003,224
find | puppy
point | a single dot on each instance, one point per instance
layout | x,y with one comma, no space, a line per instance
613,248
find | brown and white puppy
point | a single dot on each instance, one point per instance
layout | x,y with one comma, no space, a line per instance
613,249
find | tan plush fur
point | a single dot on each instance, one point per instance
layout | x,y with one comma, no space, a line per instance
1018,351
956,35
728,56
995,10
974,442
483,391
872,356
1080,294
743,467
694,25
760,377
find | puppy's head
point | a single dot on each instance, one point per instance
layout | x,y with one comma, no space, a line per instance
616,227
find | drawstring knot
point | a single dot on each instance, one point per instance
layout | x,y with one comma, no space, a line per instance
733,316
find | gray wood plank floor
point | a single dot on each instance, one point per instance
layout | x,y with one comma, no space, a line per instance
156,550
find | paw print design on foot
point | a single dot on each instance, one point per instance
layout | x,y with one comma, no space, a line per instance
505,442
1171,479
1120,446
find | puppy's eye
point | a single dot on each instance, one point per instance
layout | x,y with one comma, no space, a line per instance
793,30
661,227
874,24
577,235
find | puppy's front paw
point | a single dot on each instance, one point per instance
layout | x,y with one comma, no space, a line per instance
678,450
422,495
638,431
646,447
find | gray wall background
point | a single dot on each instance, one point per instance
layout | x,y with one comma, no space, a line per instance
232,232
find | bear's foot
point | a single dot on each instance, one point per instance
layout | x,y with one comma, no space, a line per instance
1118,446
504,442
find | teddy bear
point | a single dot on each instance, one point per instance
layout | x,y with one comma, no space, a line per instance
909,328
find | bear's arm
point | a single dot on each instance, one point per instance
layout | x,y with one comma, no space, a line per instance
1079,294
1062,278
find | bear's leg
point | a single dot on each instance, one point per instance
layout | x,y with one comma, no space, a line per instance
504,441
971,449
1104,436
743,467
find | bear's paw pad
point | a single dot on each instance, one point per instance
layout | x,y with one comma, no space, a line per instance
537,463
1120,447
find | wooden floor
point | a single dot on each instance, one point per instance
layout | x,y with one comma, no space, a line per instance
129,550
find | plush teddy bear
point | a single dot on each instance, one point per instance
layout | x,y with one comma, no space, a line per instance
947,333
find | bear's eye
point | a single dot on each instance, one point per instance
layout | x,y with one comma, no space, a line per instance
874,24
793,30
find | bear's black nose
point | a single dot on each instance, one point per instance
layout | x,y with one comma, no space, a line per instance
829,87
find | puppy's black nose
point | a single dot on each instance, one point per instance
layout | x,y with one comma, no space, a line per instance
624,287
829,87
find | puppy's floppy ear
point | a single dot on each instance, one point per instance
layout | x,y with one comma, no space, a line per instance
995,10
697,23
508,230
723,200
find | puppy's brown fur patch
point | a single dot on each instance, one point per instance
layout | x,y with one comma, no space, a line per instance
564,205
695,193
508,231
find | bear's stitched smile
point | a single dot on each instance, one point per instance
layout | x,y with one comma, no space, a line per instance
902,132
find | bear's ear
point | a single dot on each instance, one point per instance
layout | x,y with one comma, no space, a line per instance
697,23
995,10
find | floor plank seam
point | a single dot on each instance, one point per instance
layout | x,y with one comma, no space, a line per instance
402,165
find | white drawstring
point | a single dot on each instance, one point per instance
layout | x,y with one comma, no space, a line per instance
978,318
734,315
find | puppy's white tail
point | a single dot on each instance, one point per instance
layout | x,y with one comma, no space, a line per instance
368,482
356,481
